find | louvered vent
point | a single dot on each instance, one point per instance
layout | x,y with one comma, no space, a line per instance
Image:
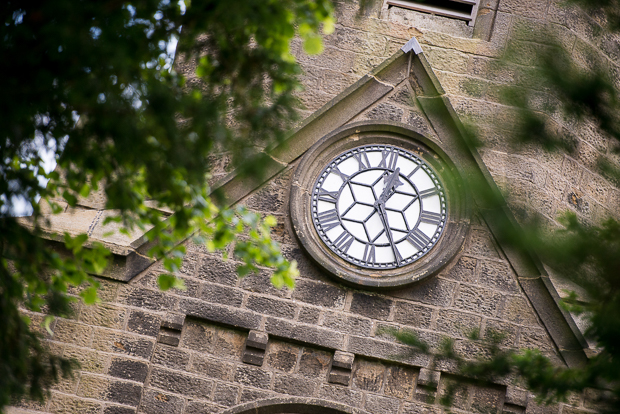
457,9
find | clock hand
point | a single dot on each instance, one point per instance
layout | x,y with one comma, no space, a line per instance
391,182
382,214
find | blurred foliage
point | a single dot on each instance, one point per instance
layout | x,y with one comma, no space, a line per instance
556,92
91,82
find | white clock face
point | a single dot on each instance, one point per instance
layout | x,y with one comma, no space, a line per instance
379,206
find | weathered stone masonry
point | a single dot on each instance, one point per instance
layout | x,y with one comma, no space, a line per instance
225,342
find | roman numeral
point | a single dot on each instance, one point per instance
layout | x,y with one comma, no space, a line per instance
329,196
342,175
418,239
344,241
362,160
428,193
369,253
414,171
431,218
328,219
389,157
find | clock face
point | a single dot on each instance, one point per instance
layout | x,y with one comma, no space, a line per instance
378,206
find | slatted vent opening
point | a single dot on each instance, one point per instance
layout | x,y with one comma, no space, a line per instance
457,9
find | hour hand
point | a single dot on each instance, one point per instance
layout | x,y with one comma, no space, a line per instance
391,182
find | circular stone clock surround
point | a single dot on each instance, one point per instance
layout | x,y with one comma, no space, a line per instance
378,140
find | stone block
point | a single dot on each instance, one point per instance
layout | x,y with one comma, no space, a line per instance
400,381
213,268
170,357
403,96
347,323
518,310
220,314
283,356
110,341
106,315
170,337
146,298
91,361
371,306
270,306
143,323
507,332
485,400
201,407
252,394
229,343
447,59
158,402
481,243
419,123
118,409
478,300
309,315
173,321
211,367
319,294
70,404
128,369
464,270
516,396
421,408
385,112
255,346
412,314
457,323
198,336
252,376
341,394
108,389
381,405
372,347
305,333
428,378
261,283
314,363
293,385
436,292
190,263
226,394
368,375
535,339
271,198
180,383
222,294
72,332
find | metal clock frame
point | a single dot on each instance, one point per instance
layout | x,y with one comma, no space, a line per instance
366,148
370,133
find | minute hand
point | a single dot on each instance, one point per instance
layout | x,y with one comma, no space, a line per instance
381,209
390,183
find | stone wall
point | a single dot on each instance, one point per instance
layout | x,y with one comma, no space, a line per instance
147,351
136,358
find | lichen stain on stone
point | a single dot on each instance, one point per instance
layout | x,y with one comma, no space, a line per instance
161,397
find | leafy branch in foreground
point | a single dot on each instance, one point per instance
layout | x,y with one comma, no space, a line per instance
90,85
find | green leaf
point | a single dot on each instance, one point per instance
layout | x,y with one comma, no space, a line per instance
47,322
168,281
313,45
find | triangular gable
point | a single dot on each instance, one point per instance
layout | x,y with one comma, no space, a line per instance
409,71
408,79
